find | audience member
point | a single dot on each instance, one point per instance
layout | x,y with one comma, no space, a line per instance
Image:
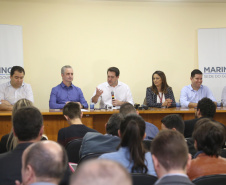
191,94
112,88
159,94
101,172
205,109
94,142
175,122
43,163
209,138
171,158
66,91
73,115
151,130
131,153
9,141
15,89
28,128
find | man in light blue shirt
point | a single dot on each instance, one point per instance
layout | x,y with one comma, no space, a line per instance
66,91
191,94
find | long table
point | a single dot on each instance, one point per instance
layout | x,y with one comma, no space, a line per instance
54,119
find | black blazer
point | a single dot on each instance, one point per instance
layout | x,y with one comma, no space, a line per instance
151,98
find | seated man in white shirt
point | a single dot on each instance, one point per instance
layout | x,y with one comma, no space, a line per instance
15,89
191,94
113,92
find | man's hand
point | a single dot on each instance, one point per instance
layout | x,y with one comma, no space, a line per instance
97,95
99,92
117,102
5,102
5,105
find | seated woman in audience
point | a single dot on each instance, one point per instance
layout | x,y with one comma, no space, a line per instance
131,153
9,141
209,138
159,94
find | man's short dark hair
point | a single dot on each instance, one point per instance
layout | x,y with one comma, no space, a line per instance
114,69
196,71
46,163
174,121
72,110
16,68
127,108
210,136
27,122
113,124
207,107
171,150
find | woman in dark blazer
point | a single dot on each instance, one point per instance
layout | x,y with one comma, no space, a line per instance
159,94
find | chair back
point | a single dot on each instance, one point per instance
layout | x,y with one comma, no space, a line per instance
147,144
89,156
143,179
72,149
223,153
219,179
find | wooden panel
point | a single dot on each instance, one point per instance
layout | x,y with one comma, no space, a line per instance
54,120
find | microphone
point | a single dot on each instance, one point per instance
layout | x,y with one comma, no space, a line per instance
112,96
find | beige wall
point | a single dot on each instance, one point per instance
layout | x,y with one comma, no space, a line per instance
137,37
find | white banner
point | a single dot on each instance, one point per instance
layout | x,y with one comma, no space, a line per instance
11,50
212,58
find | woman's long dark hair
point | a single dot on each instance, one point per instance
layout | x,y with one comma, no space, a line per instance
164,83
132,131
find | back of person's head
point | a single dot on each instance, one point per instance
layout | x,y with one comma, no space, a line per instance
207,107
12,140
16,68
101,172
113,124
196,71
21,103
65,67
47,159
27,123
171,150
209,136
115,70
127,108
132,131
72,110
174,121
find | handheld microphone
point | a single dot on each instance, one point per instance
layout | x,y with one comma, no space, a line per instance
112,96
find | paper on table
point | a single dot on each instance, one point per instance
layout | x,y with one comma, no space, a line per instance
84,110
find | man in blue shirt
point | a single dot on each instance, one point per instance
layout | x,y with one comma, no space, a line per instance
191,94
66,91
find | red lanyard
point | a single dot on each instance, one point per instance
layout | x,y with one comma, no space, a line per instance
160,97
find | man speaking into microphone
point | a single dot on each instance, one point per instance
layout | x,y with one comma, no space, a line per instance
113,92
